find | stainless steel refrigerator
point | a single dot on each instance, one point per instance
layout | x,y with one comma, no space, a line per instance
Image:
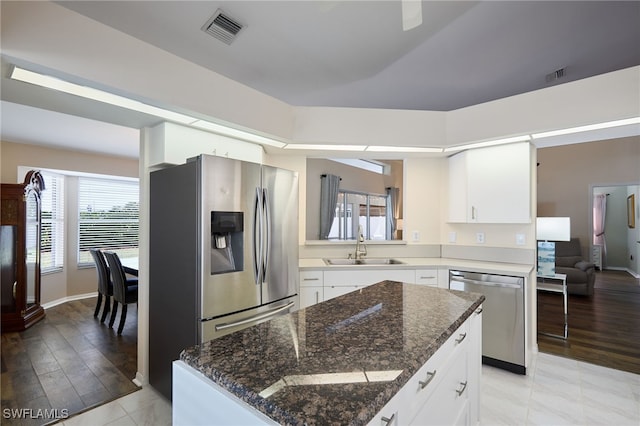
223,253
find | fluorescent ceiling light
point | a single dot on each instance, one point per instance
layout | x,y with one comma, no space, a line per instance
523,138
96,95
240,134
326,147
375,148
598,126
120,101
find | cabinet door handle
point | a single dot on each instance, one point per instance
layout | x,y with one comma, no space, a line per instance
317,296
461,338
461,391
311,279
473,213
388,420
430,377
427,278
479,311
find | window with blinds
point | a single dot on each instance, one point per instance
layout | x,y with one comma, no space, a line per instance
52,241
108,212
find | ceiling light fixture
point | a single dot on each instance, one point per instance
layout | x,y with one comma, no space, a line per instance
321,147
590,127
523,138
376,148
54,83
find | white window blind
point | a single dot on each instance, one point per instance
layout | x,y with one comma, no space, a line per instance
52,240
108,217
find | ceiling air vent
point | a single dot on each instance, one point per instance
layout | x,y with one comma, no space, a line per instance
222,27
554,75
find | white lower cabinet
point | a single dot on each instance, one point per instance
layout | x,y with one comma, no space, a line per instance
311,288
445,390
427,277
339,282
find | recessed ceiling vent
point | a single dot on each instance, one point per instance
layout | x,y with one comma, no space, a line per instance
223,27
557,74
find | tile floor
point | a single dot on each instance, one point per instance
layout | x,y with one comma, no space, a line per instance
558,391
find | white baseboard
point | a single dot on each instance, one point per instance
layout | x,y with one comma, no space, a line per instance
69,299
619,268
139,379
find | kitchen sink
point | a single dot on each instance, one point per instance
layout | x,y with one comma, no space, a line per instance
369,261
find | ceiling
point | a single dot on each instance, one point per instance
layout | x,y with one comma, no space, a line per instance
355,53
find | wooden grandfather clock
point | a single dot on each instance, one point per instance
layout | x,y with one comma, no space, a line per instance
20,231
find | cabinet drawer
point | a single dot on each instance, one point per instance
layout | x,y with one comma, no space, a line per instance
427,277
428,379
449,403
311,278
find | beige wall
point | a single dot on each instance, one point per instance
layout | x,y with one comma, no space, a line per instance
568,173
71,281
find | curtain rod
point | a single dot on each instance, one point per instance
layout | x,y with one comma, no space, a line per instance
325,175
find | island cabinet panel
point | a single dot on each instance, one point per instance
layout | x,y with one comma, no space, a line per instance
491,185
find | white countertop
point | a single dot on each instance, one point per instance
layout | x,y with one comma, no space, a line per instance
422,262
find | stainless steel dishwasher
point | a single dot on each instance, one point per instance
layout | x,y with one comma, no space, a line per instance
502,316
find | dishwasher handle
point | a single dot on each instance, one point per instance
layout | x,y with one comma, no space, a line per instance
487,283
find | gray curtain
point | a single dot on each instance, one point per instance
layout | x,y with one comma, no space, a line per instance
329,186
393,211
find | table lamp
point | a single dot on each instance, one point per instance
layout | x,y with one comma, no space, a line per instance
548,231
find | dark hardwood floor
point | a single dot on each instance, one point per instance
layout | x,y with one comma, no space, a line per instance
68,361
603,329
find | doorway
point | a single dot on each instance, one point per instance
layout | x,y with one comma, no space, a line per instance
616,228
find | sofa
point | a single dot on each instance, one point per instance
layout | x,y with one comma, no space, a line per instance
581,275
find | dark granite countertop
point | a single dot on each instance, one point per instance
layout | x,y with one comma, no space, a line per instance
337,362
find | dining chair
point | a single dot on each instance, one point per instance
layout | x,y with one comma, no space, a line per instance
105,286
125,290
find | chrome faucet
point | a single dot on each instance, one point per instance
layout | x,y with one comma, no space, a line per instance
361,248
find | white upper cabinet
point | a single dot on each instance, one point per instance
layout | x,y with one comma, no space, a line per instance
491,185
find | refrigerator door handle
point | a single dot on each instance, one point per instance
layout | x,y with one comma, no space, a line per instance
257,237
254,318
267,229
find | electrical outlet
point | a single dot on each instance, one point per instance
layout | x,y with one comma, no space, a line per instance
520,240
480,237
416,235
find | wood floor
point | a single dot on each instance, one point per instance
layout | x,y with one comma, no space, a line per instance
68,361
603,329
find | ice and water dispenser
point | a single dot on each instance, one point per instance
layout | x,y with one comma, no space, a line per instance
227,254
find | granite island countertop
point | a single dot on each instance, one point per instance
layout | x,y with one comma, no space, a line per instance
337,362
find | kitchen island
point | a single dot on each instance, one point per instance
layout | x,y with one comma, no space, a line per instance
372,356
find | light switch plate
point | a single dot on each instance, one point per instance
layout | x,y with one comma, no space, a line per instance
520,239
480,237
416,235
452,237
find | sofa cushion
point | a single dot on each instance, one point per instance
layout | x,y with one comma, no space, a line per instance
568,261
573,275
583,266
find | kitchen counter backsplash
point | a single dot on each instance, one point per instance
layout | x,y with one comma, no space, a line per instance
337,362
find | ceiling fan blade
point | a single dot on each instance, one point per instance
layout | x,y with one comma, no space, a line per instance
411,14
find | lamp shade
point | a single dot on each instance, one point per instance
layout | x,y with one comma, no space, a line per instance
553,228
